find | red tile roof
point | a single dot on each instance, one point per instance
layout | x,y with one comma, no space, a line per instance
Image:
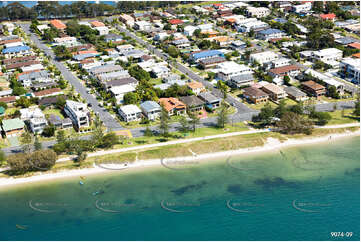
357,55
8,99
328,16
284,69
57,24
175,21
47,92
97,24
171,103
354,45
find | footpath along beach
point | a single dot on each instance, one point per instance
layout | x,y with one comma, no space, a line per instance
270,145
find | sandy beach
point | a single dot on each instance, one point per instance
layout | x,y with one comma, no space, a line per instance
173,163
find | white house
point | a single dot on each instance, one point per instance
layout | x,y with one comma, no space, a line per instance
151,109
103,30
67,41
160,71
325,55
35,117
130,113
142,25
350,69
229,69
305,7
160,36
258,12
119,91
249,24
263,57
78,113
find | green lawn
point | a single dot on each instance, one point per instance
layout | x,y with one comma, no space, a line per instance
348,117
53,111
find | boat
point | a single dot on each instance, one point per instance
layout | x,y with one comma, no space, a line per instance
97,193
81,183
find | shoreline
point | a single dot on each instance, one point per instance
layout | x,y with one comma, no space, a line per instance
272,144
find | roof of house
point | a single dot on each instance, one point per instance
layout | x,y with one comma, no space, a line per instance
54,119
171,103
57,24
208,97
47,92
33,74
357,55
270,31
8,99
97,23
346,40
354,45
206,53
129,109
328,16
212,60
22,64
294,91
254,92
49,100
273,88
175,21
15,49
8,41
11,124
150,105
19,59
313,85
284,69
120,82
192,101
195,85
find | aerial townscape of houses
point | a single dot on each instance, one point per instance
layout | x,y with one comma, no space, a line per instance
261,53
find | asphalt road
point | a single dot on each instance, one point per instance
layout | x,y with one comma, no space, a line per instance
109,121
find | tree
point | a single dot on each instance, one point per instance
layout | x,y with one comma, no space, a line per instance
42,159
184,124
194,120
26,139
138,73
222,117
322,118
148,132
164,122
223,87
49,131
298,108
130,98
2,157
37,144
60,136
292,123
266,115
109,140
281,109
332,92
286,80
98,133
173,51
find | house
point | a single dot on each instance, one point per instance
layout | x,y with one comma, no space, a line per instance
173,106
290,70
196,87
274,92
200,55
102,30
229,69
255,95
16,51
48,101
19,65
35,117
8,100
325,55
127,19
210,100
211,62
175,21
160,71
238,45
142,26
151,109
119,91
120,82
295,93
305,7
78,113
42,27
96,23
259,12
48,93
280,62
181,43
160,36
263,57
13,127
33,67
27,79
246,25
222,41
350,69
313,89
59,25
270,34
105,69
19,60
241,80
55,120
354,45
66,41
130,113
193,103
328,16
113,37
113,75
328,80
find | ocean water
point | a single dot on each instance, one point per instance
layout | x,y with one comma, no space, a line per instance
299,193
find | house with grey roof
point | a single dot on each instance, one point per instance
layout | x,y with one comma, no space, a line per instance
241,80
193,103
120,82
113,75
295,93
210,100
151,109
130,113
34,77
105,69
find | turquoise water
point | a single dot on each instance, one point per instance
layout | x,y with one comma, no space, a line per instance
300,193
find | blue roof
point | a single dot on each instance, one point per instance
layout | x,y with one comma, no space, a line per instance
280,20
207,53
15,49
149,105
270,31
